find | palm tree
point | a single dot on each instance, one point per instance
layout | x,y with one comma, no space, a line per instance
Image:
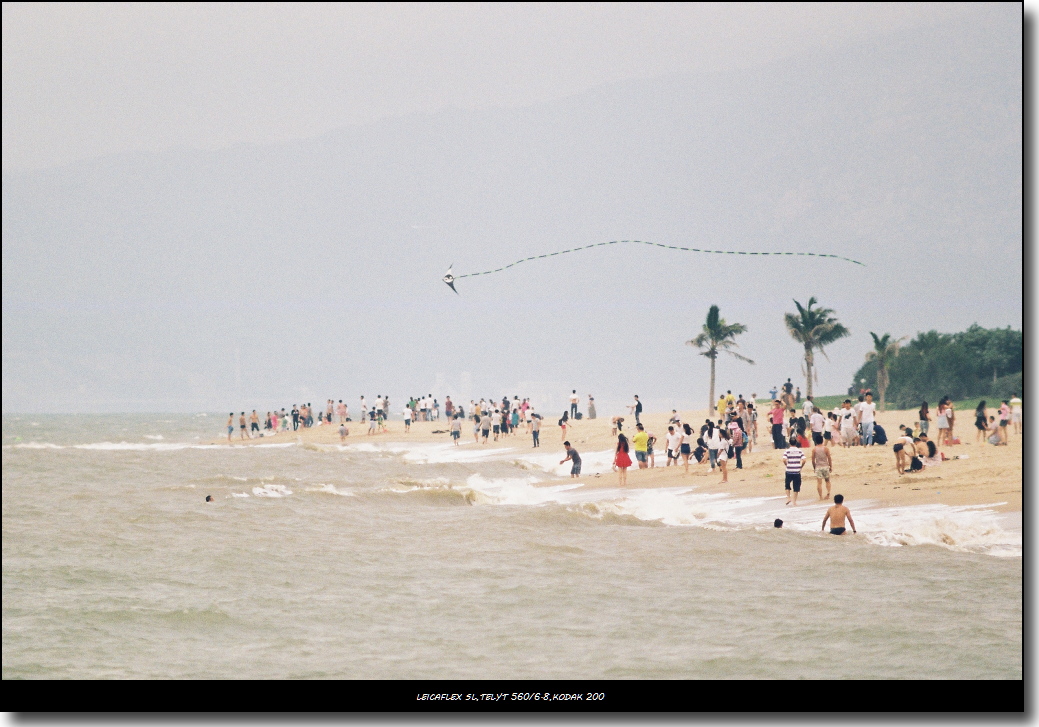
884,349
813,328
717,335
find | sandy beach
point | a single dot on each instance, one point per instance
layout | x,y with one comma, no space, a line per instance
982,474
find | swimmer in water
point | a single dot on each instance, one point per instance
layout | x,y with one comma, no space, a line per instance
209,498
836,515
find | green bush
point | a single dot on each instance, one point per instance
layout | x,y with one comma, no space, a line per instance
977,362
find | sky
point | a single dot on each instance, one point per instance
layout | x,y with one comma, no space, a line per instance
86,79
224,206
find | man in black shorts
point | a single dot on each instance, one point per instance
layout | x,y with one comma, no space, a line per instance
794,461
836,516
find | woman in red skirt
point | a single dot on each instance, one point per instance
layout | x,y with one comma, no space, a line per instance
622,461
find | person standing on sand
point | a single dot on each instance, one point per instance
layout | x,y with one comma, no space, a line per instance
485,426
621,459
836,515
535,428
456,429
822,463
636,409
950,412
641,442
496,423
942,422
1015,413
343,432
407,419
723,452
794,462
847,419
674,439
573,456
563,422
867,416
241,425
776,417
924,418
364,411
254,424
808,408
1004,420
720,406
685,448
230,426
574,399
591,407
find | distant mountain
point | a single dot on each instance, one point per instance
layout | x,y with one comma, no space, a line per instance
187,279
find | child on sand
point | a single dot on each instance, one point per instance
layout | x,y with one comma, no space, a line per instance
836,515
456,429
343,432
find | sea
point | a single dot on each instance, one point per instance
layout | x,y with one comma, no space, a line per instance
387,560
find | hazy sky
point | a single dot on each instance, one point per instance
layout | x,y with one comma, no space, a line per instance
85,79
214,206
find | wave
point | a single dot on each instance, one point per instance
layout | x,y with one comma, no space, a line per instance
272,491
33,445
154,436
331,490
431,453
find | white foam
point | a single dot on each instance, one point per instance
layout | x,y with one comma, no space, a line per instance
153,436
977,529
34,445
432,453
272,491
332,490
239,494
592,463
518,490
135,446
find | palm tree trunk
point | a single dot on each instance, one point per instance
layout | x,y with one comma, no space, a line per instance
710,399
882,385
809,360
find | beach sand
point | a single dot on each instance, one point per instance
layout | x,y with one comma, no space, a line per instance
988,475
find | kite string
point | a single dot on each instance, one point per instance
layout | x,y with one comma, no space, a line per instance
657,244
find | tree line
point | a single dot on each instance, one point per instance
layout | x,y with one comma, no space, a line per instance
977,362
964,365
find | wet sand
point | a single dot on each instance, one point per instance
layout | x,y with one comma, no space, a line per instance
988,475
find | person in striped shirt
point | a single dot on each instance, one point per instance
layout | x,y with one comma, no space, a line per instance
794,460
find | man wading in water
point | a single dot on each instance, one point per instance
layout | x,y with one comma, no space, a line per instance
836,515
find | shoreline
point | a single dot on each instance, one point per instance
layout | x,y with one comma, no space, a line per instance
987,476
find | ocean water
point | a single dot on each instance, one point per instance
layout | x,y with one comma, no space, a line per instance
382,560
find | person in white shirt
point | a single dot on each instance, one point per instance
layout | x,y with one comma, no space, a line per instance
817,421
364,411
407,419
496,423
808,408
867,416
846,416
1015,412
574,399
674,440
714,441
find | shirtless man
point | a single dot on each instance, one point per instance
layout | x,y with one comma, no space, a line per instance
836,515
230,426
241,425
822,463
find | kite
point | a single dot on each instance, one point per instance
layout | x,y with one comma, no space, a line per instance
450,277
